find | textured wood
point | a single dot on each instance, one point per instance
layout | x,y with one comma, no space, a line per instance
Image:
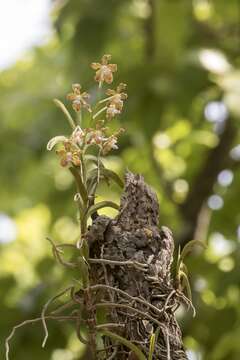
134,235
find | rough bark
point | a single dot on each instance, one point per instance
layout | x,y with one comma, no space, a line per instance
142,254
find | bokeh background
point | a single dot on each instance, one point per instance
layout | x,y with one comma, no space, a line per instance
181,61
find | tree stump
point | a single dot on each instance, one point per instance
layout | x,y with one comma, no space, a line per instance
131,260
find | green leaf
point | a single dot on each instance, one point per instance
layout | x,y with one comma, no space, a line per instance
125,342
91,187
94,159
112,175
152,346
106,173
189,247
83,271
81,187
178,260
92,175
153,341
101,205
92,181
183,267
185,284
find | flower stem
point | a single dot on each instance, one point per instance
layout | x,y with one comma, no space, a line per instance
106,99
66,113
79,117
99,112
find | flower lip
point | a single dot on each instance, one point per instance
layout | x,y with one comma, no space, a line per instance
112,111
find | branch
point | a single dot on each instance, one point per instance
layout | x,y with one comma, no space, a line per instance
217,160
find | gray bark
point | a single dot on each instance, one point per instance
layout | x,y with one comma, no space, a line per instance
143,255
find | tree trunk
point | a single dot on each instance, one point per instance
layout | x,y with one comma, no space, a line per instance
130,265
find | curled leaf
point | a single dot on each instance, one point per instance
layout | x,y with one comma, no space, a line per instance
189,247
55,140
105,173
101,205
113,176
184,268
77,197
180,266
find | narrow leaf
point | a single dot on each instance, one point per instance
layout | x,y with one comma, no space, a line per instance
92,174
113,176
153,341
92,186
81,187
189,247
186,284
101,205
178,260
125,342
92,181
94,159
152,346
108,174
183,267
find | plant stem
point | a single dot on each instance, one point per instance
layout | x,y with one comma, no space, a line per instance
99,112
106,99
66,113
79,118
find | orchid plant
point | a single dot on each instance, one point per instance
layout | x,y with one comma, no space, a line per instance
83,150
82,154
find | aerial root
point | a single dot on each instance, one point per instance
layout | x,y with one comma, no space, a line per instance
43,317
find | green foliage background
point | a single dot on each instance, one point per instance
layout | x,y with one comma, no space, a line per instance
176,56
